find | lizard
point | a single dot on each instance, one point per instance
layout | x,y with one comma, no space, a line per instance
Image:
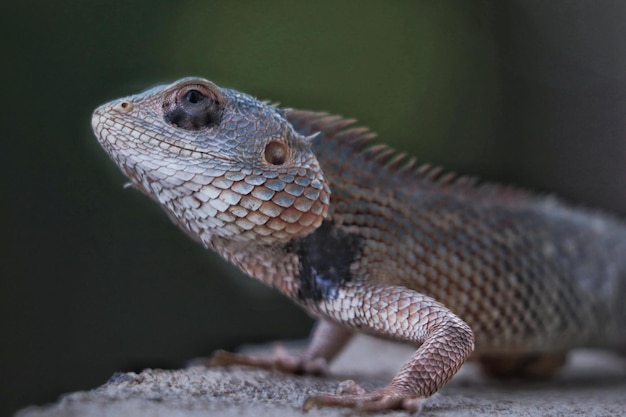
366,240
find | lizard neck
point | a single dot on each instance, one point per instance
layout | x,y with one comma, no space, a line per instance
275,265
307,269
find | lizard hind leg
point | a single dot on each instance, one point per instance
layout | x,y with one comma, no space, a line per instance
538,366
326,342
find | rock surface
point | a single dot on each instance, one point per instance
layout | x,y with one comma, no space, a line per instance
593,384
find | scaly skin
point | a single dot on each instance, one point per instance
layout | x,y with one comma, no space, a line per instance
359,238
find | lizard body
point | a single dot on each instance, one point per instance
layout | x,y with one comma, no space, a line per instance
366,242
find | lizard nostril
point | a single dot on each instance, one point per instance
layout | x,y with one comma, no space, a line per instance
276,152
123,106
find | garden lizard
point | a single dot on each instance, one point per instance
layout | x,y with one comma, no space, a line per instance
366,241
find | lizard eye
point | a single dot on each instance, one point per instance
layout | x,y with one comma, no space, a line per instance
195,97
194,109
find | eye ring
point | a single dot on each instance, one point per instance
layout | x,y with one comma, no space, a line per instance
194,93
276,152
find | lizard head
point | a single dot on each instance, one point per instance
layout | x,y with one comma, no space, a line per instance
221,163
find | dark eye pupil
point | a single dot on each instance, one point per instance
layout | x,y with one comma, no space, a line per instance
195,97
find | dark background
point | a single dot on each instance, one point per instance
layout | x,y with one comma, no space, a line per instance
95,279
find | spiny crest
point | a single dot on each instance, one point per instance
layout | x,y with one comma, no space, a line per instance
275,104
383,157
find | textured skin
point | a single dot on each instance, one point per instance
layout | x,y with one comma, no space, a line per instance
364,241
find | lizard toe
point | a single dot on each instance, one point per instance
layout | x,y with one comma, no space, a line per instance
281,361
351,395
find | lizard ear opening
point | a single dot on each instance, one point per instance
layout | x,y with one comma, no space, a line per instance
276,152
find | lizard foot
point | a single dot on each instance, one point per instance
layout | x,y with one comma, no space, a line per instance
351,395
282,361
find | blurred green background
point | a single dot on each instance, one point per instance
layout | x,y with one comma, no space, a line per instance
95,279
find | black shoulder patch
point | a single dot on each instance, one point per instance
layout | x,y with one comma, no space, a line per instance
325,258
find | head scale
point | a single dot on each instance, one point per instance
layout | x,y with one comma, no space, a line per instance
220,162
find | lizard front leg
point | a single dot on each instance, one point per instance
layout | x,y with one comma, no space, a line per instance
399,313
326,342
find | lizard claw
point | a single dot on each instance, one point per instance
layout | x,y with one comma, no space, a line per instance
351,395
281,361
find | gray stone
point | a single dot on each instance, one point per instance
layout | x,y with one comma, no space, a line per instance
592,384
